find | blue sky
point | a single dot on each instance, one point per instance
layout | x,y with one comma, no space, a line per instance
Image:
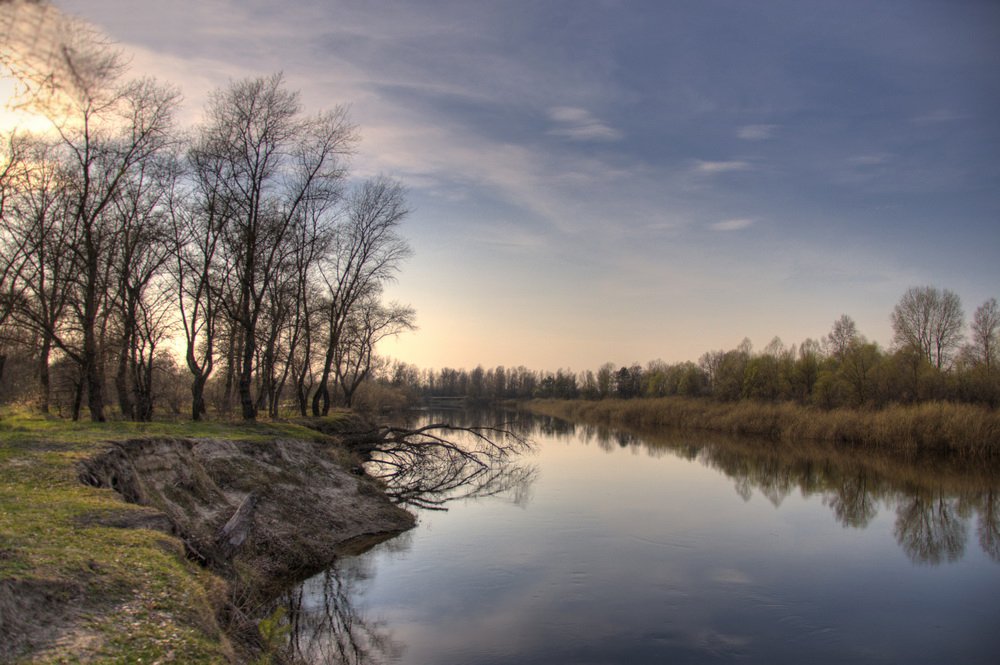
622,181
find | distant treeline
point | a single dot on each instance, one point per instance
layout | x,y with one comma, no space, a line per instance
932,358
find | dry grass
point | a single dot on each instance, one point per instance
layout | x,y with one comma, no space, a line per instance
968,431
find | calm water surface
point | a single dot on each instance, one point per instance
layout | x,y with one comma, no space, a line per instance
674,549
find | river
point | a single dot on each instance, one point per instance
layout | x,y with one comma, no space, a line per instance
660,548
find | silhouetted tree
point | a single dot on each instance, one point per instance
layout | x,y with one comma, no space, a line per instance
107,130
367,252
929,321
842,337
369,323
272,163
986,333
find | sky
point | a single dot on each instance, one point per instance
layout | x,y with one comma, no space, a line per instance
596,181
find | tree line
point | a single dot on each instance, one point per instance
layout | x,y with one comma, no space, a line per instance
241,245
935,355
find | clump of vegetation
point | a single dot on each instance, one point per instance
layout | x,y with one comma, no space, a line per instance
964,430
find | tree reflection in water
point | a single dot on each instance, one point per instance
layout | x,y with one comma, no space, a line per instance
326,627
853,502
936,505
930,529
431,465
935,500
427,467
988,527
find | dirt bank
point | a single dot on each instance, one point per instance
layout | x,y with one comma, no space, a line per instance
259,514
263,511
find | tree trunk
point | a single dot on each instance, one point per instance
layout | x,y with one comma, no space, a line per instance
144,406
121,384
321,398
92,376
198,396
44,380
249,409
142,382
247,405
95,393
77,398
232,353
303,398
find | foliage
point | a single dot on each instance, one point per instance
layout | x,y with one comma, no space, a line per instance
274,631
846,370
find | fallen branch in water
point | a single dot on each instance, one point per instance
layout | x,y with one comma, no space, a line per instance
432,465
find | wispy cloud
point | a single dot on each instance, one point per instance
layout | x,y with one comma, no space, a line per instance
737,224
869,160
936,117
580,125
712,168
756,132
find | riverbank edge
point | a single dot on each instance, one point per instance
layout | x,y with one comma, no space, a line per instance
964,431
101,526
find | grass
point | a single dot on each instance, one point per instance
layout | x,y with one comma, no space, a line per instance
111,594
961,430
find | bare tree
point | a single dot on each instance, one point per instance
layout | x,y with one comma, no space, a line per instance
138,305
14,251
36,219
843,336
313,242
367,252
106,129
368,324
930,322
986,333
198,216
273,163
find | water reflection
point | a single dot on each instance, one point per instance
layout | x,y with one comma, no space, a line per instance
935,501
324,624
988,528
437,459
619,558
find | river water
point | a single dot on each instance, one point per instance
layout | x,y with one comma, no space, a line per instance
661,548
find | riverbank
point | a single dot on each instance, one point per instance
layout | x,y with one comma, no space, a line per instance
961,430
162,542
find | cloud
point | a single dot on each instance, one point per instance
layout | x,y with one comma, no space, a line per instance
711,168
580,125
869,160
756,132
937,117
737,224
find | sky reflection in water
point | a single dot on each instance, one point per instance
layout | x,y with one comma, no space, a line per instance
660,549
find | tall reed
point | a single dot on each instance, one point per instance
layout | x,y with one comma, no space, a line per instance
965,430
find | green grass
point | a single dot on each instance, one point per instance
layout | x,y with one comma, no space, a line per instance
136,598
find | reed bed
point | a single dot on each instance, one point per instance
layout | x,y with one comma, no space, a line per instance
963,430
